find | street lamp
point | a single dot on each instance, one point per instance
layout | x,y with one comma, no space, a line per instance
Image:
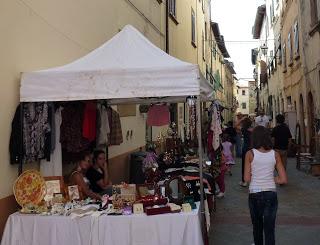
264,49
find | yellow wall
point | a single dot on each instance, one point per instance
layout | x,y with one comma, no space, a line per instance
38,34
293,80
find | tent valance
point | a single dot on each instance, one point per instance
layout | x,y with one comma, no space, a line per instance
127,66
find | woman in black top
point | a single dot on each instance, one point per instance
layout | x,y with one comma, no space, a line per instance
98,174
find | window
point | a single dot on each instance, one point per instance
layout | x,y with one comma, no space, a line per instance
237,91
290,49
296,40
202,2
284,58
172,8
243,92
244,105
272,11
314,12
205,31
214,51
279,49
193,28
203,47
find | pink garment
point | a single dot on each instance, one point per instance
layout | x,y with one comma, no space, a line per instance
158,115
227,152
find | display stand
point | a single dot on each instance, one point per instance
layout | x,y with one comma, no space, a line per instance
128,69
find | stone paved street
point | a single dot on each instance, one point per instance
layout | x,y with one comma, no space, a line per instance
298,220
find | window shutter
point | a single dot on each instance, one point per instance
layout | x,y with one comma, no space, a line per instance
296,39
290,48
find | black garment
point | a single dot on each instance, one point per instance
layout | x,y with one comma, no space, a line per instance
245,148
15,145
232,134
263,210
94,176
281,134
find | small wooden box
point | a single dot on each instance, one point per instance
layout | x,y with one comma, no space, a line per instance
315,169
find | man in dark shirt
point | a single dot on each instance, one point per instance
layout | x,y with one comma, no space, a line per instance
282,137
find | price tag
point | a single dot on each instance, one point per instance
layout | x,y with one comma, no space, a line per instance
138,208
186,207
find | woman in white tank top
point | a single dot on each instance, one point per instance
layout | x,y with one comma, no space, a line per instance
260,164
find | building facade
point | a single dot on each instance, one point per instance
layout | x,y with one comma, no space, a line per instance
243,99
287,61
252,97
309,19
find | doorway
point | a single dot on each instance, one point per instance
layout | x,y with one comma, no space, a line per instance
311,121
302,122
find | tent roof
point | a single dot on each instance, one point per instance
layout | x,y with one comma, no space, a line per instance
126,66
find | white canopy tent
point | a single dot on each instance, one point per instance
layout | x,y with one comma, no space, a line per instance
128,66
126,69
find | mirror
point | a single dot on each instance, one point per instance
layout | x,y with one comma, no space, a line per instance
176,190
146,190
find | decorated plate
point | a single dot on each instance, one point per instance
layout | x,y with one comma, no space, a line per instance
29,188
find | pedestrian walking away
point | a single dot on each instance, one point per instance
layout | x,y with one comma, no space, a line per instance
260,163
282,138
237,127
246,130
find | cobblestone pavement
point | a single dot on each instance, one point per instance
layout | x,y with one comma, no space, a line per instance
298,219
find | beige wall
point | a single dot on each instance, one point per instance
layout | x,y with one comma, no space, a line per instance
38,34
294,84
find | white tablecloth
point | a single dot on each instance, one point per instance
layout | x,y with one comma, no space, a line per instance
164,229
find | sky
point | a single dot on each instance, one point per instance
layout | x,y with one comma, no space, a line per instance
236,19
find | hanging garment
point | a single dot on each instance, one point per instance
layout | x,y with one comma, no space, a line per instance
52,125
158,115
71,128
48,148
115,137
35,127
89,121
103,128
54,166
216,127
15,145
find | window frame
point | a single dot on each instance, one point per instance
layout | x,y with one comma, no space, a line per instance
289,43
284,57
193,28
314,13
296,43
173,8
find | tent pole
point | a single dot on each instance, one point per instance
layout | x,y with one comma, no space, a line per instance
21,136
107,146
199,132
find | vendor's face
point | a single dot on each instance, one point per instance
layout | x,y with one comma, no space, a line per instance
85,164
101,159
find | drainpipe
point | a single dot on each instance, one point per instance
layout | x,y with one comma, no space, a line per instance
167,26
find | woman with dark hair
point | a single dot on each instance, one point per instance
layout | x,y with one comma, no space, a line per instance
78,177
246,134
260,163
98,174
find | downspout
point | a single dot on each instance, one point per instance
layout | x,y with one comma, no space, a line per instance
167,26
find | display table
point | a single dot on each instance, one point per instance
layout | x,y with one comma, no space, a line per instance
164,229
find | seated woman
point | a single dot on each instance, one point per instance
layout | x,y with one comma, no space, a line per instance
98,174
78,177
